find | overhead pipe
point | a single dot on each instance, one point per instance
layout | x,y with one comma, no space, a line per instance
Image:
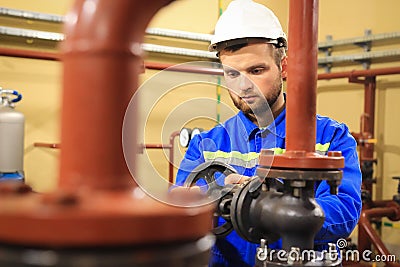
33,54
179,51
359,73
179,34
183,68
31,34
51,18
47,145
23,14
57,37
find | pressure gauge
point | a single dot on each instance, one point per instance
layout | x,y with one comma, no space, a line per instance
184,137
195,132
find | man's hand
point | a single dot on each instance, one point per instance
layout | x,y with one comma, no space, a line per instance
186,195
186,190
235,178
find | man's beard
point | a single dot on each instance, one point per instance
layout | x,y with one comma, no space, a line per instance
261,106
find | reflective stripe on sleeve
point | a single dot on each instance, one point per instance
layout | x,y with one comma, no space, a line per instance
246,160
250,160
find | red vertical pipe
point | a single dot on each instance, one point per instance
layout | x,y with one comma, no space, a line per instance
369,122
367,153
171,156
102,58
302,75
369,111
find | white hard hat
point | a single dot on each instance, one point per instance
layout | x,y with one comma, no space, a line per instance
244,20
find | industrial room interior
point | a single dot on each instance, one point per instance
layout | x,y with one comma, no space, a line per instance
353,36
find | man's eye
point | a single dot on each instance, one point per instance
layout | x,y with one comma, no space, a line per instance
257,71
232,74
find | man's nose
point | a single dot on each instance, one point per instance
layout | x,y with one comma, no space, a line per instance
245,83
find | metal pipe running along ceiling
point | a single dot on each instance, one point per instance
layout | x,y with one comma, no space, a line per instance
51,18
32,54
379,56
371,56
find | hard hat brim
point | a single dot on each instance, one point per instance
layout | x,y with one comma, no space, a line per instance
217,47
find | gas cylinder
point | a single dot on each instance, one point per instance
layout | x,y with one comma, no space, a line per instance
11,136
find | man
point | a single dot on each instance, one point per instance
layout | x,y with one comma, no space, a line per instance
251,46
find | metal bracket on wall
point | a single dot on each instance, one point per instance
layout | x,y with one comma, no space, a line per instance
365,58
366,45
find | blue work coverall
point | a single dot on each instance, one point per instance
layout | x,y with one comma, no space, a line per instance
238,142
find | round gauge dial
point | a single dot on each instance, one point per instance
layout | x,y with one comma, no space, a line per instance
195,132
184,137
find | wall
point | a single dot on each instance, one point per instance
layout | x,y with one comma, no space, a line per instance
39,81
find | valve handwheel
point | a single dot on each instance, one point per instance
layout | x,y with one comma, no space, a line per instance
207,172
210,172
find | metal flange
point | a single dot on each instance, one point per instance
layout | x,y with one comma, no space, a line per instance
88,218
302,160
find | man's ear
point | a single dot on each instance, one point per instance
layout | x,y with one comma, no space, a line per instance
284,67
